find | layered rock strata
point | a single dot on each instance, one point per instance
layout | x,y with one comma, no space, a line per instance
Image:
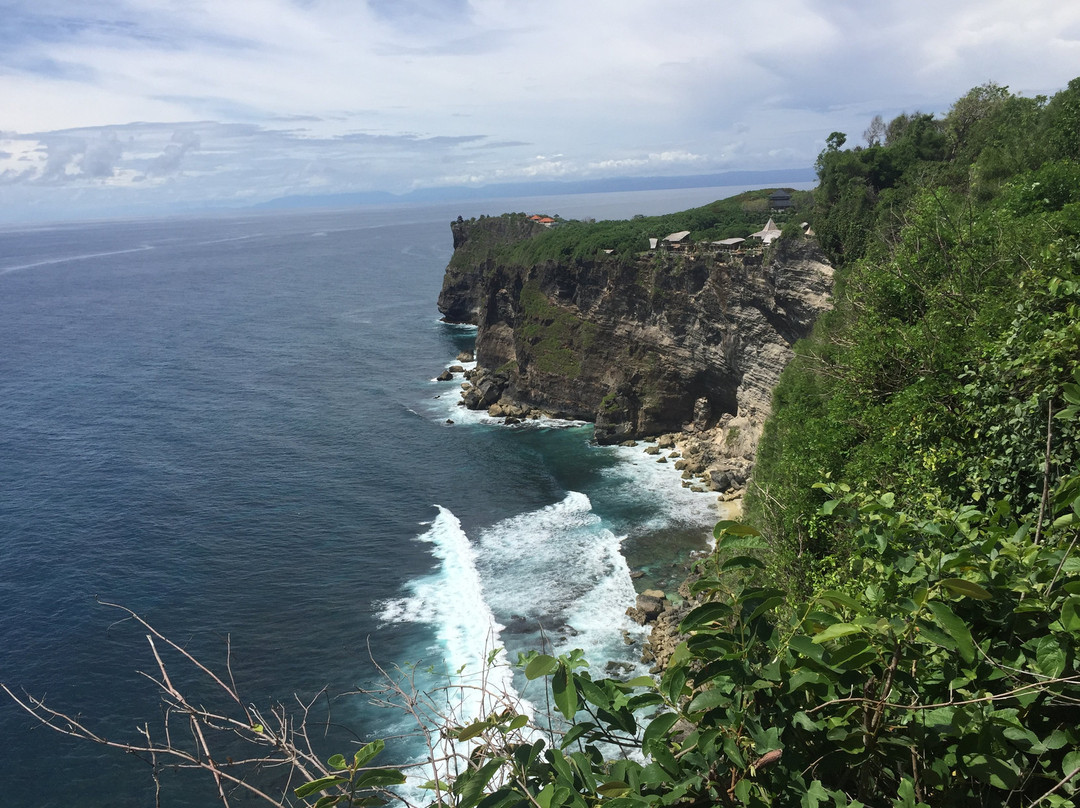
689,343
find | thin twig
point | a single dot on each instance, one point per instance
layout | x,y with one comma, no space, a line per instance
1057,785
1046,470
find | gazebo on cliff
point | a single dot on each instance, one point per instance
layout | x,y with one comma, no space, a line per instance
770,234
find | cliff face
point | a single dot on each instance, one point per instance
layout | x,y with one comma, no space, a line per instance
663,342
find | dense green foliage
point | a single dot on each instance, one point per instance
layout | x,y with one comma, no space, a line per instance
957,244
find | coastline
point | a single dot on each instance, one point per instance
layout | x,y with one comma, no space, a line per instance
661,564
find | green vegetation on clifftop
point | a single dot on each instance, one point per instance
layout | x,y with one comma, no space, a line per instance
737,216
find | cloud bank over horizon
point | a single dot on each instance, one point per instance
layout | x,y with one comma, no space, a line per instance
160,106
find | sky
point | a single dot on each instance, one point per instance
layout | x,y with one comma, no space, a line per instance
157,106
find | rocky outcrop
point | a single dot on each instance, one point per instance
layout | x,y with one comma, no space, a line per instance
688,342
476,244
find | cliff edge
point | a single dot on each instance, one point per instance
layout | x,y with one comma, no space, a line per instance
688,340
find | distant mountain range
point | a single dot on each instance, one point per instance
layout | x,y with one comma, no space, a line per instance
772,177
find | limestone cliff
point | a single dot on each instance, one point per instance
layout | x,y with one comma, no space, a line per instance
657,342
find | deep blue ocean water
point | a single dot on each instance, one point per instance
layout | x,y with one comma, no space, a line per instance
231,426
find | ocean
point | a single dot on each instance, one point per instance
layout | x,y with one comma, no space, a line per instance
231,426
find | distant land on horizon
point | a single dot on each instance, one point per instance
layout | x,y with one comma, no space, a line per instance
543,188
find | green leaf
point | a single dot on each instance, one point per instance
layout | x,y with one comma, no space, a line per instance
643,700
658,727
613,788
905,794
814,795
742,562
1070,763
473,790
704,615
525,754
330,799
836,630
367,752
576,732
766,605
561,766
1070,614
637,681
733,753
663,757
337,762
564,692
969,589
1050,657
318,785
471,731
840,599
594,694
854,655
709,700
998,772
742,791
433,785
734,544
955,628
939,638
807,647
543,799
379,778
673,681
731,528
541,665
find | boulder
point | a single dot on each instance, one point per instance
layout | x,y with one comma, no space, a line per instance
445,376
651,602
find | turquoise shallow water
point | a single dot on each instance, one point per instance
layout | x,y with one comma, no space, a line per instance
231,426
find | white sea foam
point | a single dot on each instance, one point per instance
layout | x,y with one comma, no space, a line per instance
641,478
560,568
69,258
447,404
227,239
451,600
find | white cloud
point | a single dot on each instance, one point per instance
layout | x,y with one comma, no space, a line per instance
279,96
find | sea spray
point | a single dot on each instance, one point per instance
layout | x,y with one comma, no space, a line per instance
451,601
558,570
475,680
